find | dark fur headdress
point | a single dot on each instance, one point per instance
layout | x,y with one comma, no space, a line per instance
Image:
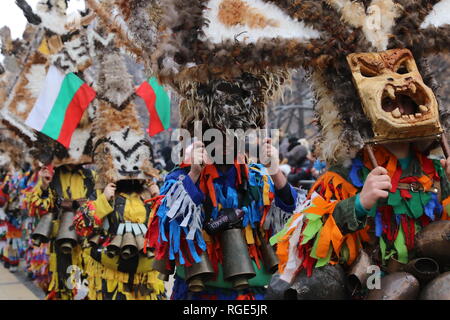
195,43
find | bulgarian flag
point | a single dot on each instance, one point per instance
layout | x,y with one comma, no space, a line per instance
60,106
158,105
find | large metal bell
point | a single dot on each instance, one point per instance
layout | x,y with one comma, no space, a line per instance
358,274
43,230
113,247
269,256
438,288
67,238
128,248
161,267
199,273
325,283
396,286
237,265
424,269
433,241
93,241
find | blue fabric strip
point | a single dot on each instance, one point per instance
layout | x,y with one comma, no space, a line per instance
433,206
354,174
194,192
378,224
285,207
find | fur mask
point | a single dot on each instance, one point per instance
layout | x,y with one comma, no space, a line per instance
236,104
121,149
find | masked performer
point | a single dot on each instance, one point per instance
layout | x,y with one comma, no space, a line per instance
117,267
36,256
224,91
60,49
10,202
383,203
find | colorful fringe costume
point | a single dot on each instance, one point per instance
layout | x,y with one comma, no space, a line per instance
36,257
329,229
177,229
114,278
76,185
10,199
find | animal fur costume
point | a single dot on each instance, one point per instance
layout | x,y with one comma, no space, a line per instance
202,42
66,45
11,162
222,95
364,74
123,156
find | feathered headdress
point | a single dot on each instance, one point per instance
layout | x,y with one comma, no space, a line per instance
121,148
12,150
64,44
202,42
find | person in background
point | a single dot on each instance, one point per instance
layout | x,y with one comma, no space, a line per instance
301,166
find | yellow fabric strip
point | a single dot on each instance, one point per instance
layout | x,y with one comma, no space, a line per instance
102,206
134,208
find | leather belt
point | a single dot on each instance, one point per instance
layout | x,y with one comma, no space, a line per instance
69,204
415,187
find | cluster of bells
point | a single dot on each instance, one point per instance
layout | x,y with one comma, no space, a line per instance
66,238
427,277
127,245
420,278
238,267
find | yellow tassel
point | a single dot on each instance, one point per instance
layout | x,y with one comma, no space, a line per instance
266,190
249,235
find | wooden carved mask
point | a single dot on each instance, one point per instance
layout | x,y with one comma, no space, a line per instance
394,97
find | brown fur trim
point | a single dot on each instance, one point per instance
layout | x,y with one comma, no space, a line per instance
123,38
21,96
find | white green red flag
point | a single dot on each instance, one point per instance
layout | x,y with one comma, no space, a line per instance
158,105
60,105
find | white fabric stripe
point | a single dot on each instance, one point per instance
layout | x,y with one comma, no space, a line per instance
44,104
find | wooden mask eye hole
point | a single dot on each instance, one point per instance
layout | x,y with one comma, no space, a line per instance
403,68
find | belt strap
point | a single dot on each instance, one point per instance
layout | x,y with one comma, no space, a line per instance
416,187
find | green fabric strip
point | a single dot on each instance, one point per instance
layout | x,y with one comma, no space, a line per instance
400,247
276,238
324,261
314,224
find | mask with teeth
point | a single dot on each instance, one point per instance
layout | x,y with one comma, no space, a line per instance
394,97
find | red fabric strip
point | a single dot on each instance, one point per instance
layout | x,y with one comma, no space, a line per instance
395,179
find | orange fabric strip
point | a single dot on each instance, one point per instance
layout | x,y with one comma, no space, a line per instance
330,233
207,177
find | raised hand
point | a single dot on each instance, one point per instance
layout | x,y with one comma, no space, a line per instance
377,186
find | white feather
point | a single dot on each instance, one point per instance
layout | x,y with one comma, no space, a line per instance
36,79
54,20
78,143
287,27
376,23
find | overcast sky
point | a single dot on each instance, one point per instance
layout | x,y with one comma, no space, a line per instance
12,16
